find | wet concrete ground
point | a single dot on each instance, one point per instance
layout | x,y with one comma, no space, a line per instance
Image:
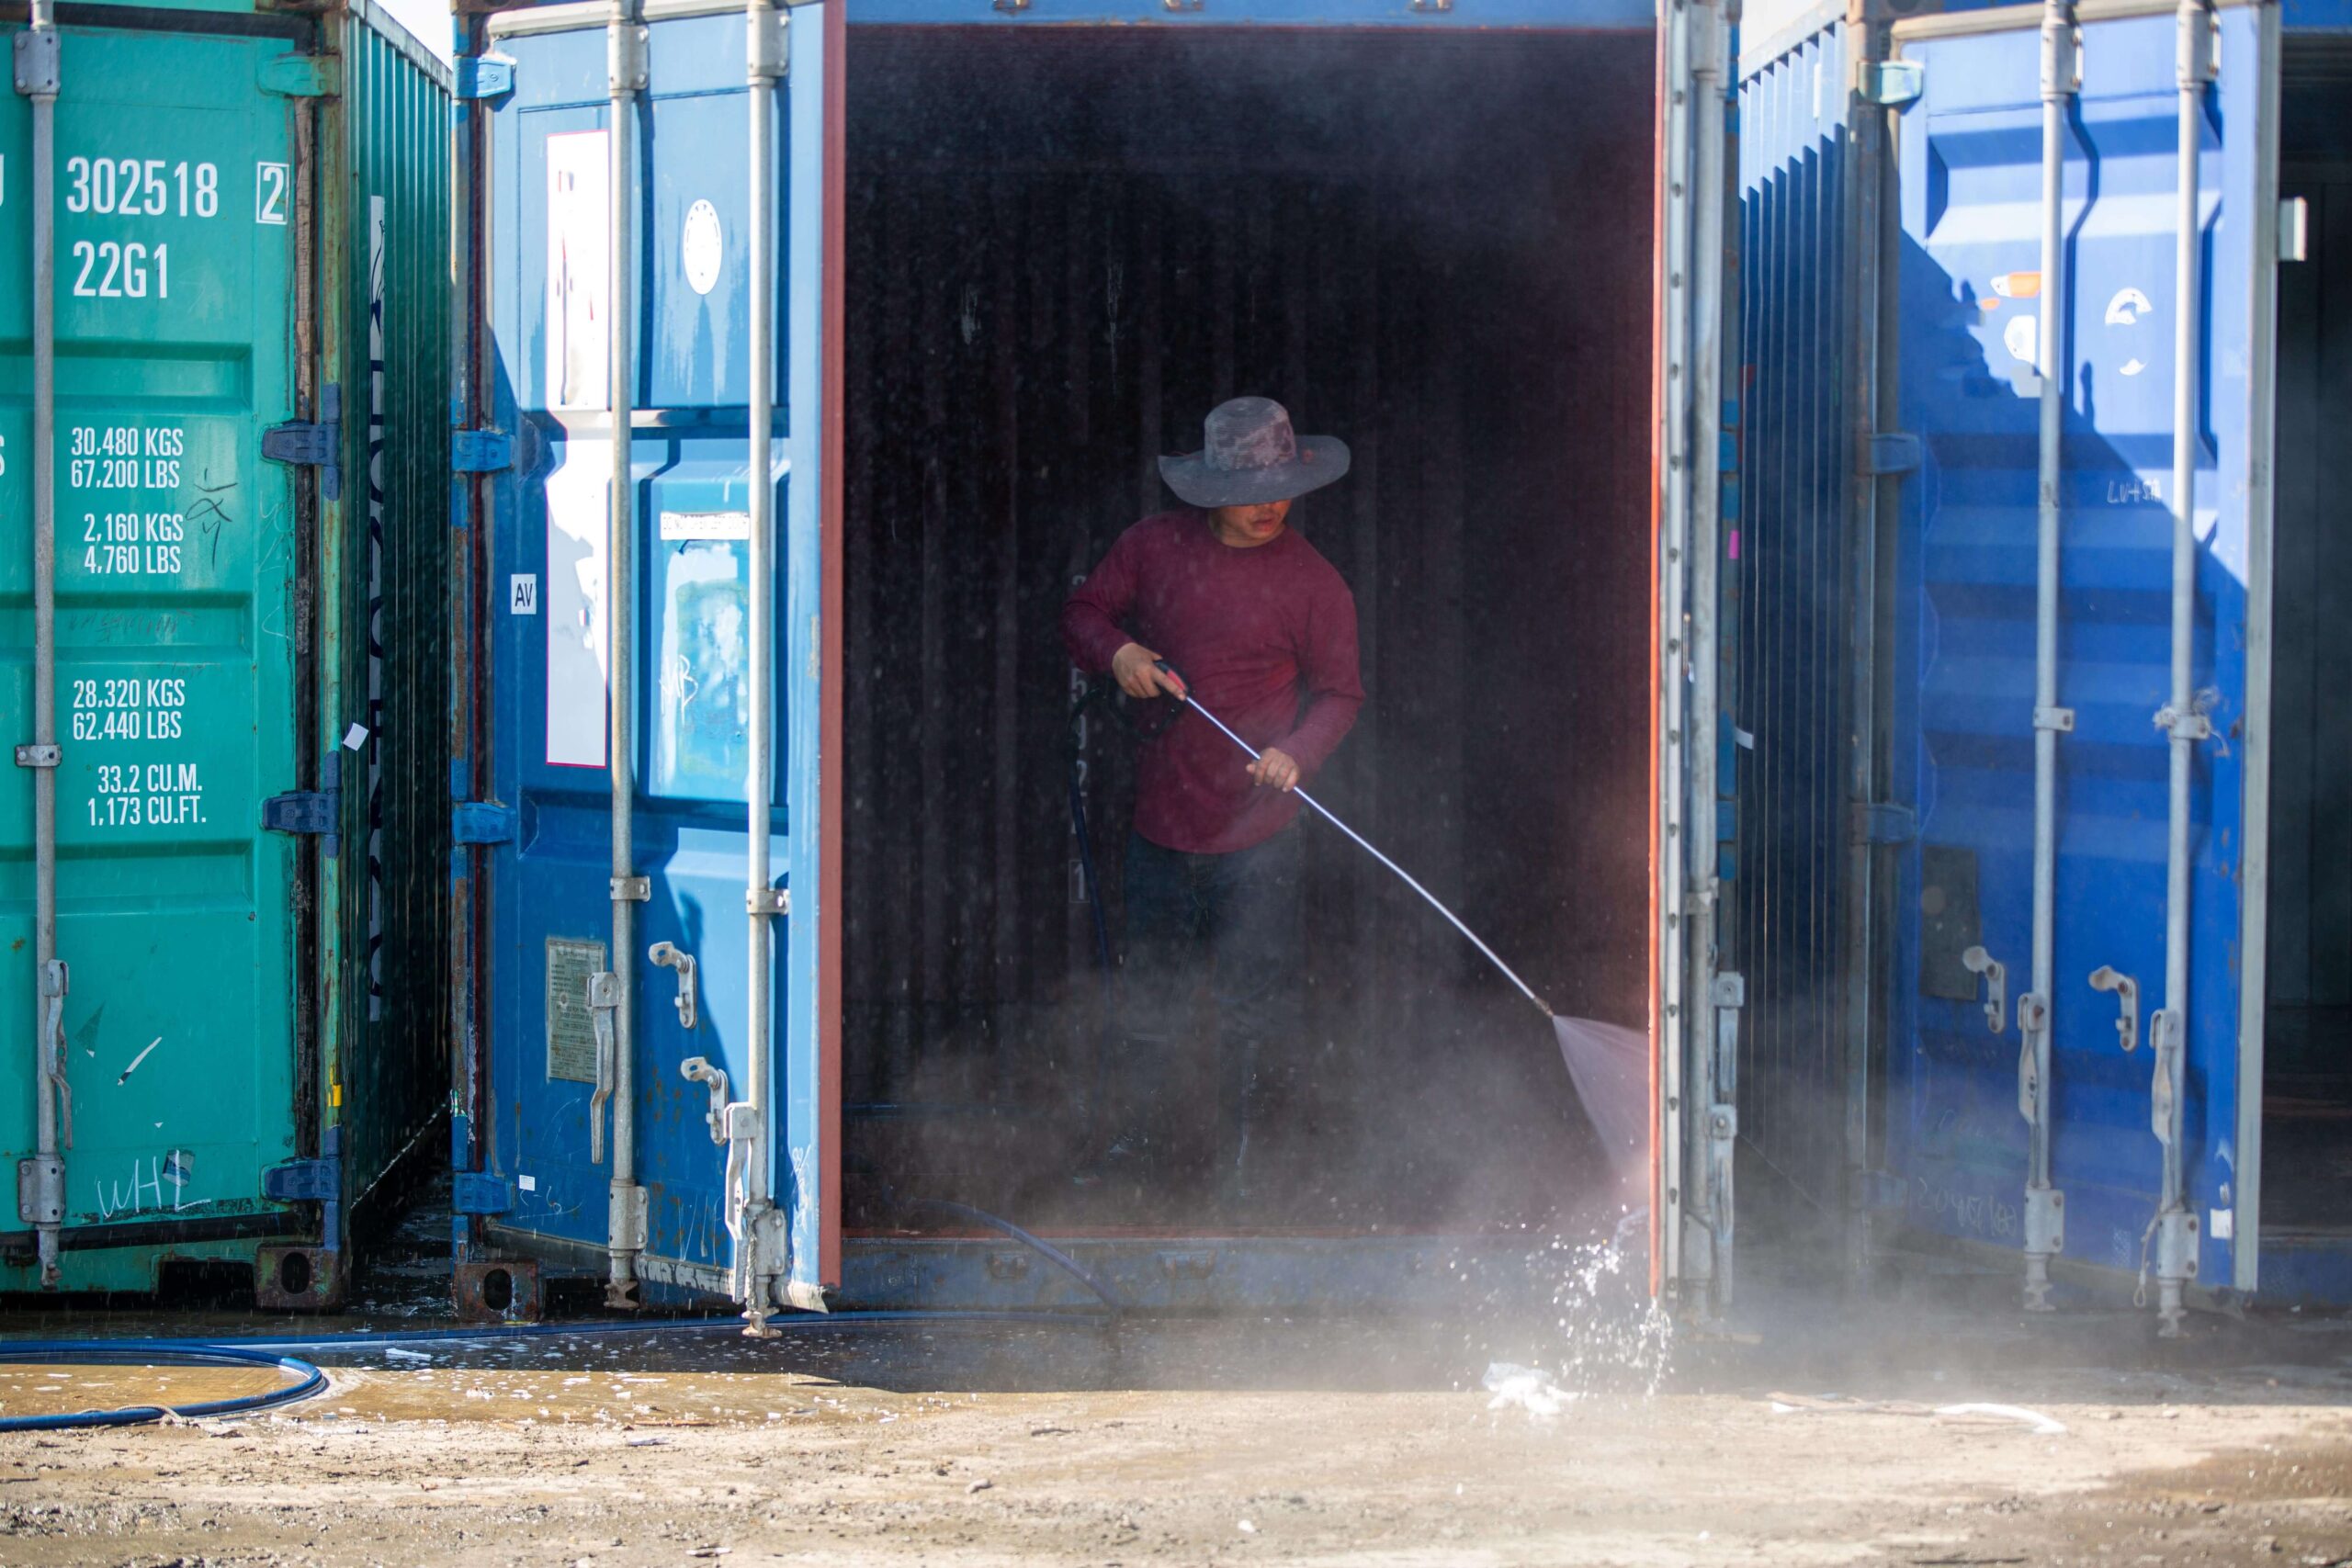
1244,1440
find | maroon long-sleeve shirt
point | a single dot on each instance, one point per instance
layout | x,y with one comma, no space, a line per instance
1266,638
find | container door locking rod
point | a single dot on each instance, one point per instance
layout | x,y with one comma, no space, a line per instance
1365,844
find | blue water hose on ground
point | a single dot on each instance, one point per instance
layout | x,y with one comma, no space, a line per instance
308,1379
284,1351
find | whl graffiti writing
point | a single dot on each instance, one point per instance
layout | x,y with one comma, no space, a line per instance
158,1183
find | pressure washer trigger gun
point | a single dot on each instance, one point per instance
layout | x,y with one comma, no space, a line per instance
1167,669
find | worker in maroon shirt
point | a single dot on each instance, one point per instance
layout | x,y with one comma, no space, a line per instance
1251,620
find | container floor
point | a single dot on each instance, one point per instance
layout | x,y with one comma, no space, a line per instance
1065,247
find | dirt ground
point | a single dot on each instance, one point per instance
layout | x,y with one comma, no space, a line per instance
1237,1441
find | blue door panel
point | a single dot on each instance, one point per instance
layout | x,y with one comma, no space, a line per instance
1970,177
549,887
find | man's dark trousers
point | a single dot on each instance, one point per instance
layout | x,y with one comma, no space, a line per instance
1235,916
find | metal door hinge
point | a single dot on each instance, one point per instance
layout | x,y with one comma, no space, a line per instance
312,443
483,76
37,62
482,822
302,75
480,451
303,1181
1893,452
1891,83
310,812
479,1193
40,1185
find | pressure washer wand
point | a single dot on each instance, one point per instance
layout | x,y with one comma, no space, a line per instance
1366,845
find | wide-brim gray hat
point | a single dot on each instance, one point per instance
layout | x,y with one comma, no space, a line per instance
1252,457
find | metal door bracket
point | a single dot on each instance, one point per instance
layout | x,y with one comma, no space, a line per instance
1424,7
1728,990
482,77
625,58
668,956
1976,961
698,1069
626,1231
2059,719
1891,83
2106,977
40,756
37,62
479,1193
312,443
767,901
41,1184
632,890
767,44
2190,725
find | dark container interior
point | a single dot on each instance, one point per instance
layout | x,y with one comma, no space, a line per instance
2307,1160
1064,247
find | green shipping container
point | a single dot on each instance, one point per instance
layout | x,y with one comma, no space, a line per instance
251,477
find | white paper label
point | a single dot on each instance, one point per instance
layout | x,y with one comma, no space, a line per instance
527,1183
705,524
522,593
2222,1223
578,630
355,737
579,271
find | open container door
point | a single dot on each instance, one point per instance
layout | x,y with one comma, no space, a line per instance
655,1046
1695,1006
2054,1089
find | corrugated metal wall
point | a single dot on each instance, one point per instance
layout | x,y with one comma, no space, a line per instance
395,105
1063,249
1786,609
